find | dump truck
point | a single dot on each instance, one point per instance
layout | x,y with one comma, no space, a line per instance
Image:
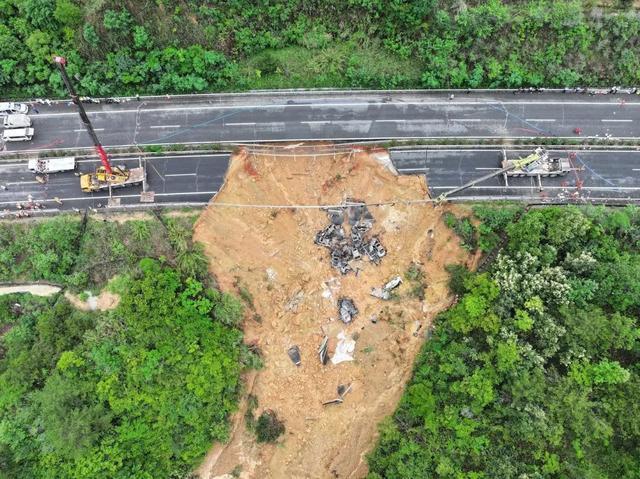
544,167
120,177
52,165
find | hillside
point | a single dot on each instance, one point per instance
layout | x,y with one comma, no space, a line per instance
185,46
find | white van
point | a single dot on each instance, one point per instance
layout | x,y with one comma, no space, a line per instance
17,134
17,120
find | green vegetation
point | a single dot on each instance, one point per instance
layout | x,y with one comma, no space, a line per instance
141,391
171,46
268,427
415,276
65,251
464,229
535,372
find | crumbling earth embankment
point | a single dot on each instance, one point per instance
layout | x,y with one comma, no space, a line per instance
268,256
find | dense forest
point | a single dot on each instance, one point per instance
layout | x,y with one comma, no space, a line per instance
140,391
535,372
123,47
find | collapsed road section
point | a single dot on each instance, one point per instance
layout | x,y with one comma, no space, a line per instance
330,374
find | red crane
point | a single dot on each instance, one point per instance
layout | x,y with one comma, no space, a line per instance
62,62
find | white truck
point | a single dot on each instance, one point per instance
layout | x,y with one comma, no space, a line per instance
17,134
17,120
52,165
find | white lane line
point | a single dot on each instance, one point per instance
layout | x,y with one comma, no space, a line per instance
474,119
239,124
635,169
481,168
616,121
413,169
546,187
84,129
165,126
425,103
157,158
389,121
181,174
22,183
89,198
317,122
538,120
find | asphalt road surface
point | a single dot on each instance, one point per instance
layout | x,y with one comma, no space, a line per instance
597,174
173,179
335,116
196,179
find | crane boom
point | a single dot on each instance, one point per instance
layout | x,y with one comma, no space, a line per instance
61,62
538,155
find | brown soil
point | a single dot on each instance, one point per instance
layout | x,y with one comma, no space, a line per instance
103,302
271,253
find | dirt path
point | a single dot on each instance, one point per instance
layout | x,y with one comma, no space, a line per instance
35,289
103,302
271,255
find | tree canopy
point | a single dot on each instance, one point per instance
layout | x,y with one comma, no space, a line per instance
170,46
535,371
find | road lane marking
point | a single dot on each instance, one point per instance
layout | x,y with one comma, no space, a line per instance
390,121
425,103
538,120
413,169
84,129
23,183
482,168
544,187
89,198
239,124
615,120
474,119
316,122
165,126
182,174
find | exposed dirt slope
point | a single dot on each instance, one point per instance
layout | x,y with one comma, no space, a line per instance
270,253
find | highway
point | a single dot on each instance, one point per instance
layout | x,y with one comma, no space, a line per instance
597,175
351,116
173,179
196,178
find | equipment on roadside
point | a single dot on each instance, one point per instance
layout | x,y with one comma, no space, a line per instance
52,165
538,156
105,176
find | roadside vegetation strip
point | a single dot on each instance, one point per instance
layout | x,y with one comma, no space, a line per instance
545,344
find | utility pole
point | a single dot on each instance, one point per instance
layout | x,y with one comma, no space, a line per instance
61,62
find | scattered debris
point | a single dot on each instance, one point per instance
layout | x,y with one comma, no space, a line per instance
347,310
343,248
344,349
342,392
374,318
322,350
294,354
295,301
385,292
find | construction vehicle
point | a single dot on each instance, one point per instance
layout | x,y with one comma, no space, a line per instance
537,157
545,167
105,176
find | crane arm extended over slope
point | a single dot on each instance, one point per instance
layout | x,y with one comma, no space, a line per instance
537,156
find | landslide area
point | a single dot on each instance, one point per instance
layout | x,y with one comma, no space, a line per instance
268,257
